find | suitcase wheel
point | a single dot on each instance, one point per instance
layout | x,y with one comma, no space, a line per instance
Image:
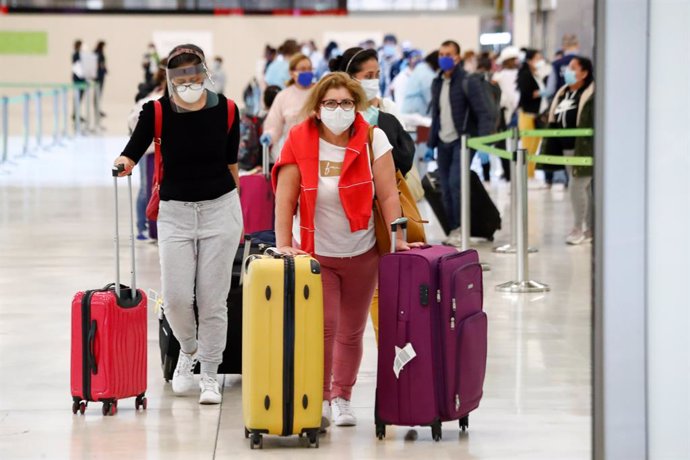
314,439
141,402
380,431
78,406
256,441
109,408
436,431
464,423
246,433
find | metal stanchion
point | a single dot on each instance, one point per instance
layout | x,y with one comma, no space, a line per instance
5,129
65,112
96,108
512,144
56,116
523,283
77,110
27,123
89,115
39,119
465,199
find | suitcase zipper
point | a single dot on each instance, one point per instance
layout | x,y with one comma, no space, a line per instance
85,346
288,346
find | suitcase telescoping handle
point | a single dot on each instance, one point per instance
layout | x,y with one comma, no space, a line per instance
245,255
265,162
399,222
116,171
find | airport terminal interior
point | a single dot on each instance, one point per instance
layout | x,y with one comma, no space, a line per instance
591,362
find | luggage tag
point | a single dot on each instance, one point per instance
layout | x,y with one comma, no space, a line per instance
402,357
156,302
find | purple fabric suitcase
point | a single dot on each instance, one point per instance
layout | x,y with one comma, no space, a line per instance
430,298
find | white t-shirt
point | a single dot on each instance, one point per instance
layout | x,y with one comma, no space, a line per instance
332,235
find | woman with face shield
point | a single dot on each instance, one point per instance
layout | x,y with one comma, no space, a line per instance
200,220
287,106
328,155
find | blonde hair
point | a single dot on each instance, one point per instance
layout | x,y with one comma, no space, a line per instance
294,62
335,80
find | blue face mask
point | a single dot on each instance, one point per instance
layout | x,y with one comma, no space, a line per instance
389,50
446,63
569,76
371,115
305,78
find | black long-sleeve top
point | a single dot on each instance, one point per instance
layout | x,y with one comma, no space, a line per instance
527,85
196,148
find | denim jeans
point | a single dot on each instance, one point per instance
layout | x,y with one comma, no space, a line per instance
144,194
448,158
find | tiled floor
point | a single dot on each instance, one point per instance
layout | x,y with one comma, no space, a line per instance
56,238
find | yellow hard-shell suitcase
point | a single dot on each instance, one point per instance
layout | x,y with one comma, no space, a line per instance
282,349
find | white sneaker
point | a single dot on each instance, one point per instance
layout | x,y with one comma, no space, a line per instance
576,237
454,238
183,377
325,416
210,390
342,413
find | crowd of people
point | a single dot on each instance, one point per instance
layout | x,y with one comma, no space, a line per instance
339,123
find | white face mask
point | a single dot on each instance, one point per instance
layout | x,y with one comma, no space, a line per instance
338,120
370,87
191,96
540,64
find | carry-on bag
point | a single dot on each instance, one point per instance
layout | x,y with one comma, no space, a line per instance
432,338
485,219
232,355
257,198
282,362
109,337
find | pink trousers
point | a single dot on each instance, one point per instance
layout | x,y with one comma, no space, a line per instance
348,286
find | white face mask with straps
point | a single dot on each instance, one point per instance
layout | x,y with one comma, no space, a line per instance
370,87
338,120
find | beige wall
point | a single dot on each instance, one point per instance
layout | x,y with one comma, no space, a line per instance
240,40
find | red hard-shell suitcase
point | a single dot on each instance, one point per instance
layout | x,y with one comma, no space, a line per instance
430,321
109,338
257,198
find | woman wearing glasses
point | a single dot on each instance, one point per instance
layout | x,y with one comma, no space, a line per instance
200,220
326,182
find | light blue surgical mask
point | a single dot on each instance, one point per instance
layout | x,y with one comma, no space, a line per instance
371,115
569,76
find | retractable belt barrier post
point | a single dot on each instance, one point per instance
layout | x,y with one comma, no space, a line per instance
65,112
523,283
77,110
39,119
27,123
56,116
5,129
465,198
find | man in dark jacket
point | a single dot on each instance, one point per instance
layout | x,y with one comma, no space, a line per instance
457,108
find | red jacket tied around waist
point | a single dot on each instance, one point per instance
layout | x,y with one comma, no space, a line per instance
355,185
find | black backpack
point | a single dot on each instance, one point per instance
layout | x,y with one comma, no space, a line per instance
492,99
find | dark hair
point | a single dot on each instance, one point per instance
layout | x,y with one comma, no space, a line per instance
289,47
587,66
484,62
432,60
329,49
77,45
270,94
529,55
352,60
99,47
452,43
186,58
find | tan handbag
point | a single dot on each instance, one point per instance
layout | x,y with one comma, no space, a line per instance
408,205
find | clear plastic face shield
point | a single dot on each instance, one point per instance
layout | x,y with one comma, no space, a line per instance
189,84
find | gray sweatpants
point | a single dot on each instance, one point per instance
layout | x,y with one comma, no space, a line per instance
197,243
581,199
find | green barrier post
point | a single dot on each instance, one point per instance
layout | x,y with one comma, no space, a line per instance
56,116
523,284
65,112
77,110
27,123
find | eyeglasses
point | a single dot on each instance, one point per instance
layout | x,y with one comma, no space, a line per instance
332,104
185,87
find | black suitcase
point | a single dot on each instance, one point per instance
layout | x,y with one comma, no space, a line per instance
484,215
432,193
232,356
